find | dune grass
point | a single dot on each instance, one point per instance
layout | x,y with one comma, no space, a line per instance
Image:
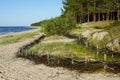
66,50
114,31
16,38
100,24
63,50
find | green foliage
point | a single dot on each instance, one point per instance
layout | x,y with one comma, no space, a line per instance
39,23
92,10
59,25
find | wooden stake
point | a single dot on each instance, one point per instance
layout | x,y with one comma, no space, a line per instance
112,57
105,57
97,53
112,54
48,59
105,60
97,46
112,48
58,61
72,61
86,44
86,59
105,66
97,49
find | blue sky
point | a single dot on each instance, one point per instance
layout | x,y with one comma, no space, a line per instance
25,12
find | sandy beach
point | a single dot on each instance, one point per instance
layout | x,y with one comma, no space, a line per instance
17,33
12,68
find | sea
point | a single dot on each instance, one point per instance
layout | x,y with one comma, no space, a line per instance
12,29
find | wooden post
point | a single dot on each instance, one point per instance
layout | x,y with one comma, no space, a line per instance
97,49
105,66
112,49
112,57
79,40
112,54
58,61
105,57
86,59
85,66
97,53
87,44
48,59
105,60
72,61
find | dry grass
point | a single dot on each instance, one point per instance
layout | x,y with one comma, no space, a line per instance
16,38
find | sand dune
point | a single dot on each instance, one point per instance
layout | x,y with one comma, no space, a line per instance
12,68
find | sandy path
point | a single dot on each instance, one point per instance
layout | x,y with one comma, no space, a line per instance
12,68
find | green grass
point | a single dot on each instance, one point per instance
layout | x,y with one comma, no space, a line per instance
60,49
114,31
16,38
66,50
100,24
100,43
90,26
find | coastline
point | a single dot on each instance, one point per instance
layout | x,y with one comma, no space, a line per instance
18,33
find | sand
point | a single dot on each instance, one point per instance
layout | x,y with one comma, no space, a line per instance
12,68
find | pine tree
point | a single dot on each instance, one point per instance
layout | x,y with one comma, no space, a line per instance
92,10
117,3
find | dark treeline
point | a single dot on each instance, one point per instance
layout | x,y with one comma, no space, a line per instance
92,10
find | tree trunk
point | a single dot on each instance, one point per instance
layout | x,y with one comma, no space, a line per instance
98,16
94,14
107,17
88,19
118,15
83,19
103,16
82,13
80,20
77,19
108,13
111,15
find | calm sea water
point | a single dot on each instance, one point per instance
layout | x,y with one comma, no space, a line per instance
12,29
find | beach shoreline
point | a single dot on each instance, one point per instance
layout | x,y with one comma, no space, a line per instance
17,33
